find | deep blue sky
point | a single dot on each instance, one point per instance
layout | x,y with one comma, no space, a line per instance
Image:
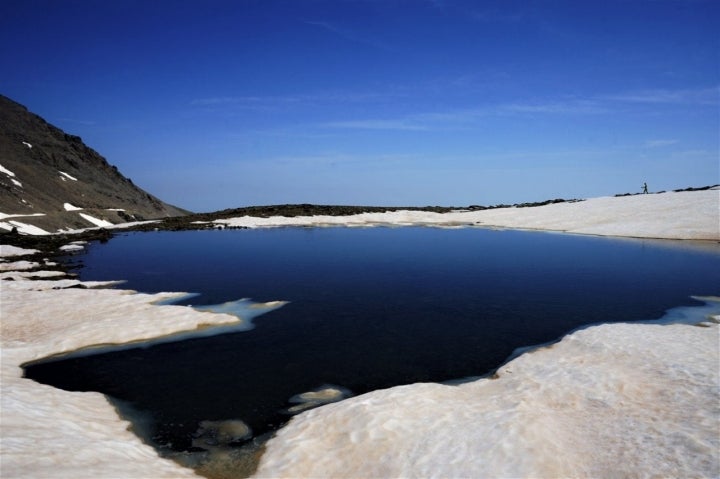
216,104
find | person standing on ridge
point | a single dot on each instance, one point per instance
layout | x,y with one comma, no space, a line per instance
645,191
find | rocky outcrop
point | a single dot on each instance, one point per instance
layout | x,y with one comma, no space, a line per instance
52,180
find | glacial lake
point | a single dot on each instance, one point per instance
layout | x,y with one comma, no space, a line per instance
369,308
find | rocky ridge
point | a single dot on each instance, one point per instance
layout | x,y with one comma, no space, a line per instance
51,181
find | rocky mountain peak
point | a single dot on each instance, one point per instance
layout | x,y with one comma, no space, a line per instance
51,181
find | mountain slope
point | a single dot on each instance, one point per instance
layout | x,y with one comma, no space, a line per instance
51,180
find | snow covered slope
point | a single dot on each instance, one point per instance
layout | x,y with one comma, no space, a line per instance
673,215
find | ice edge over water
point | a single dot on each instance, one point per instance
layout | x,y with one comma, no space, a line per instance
245,310
696,315
609,400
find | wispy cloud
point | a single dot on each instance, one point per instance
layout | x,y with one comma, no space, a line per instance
249,102
349,34
310,99
566,107
697,96
220,100
401,124
466,118
415,122
341,116
659,143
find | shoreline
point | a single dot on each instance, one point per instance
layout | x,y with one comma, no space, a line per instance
621,216
96,428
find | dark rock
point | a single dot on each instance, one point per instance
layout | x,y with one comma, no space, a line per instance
99,186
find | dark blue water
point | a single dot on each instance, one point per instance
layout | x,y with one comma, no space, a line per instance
369,309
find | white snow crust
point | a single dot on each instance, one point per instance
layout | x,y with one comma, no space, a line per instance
619,400
69,207
616,400
27,144
675,215
7,250
6,171
47,432
74,246
96,221
129,224
64,176
22,228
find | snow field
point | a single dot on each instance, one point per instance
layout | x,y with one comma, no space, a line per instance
681,215
616,400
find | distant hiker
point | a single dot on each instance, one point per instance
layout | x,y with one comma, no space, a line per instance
645,191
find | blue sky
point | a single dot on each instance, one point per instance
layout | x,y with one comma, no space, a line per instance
217,104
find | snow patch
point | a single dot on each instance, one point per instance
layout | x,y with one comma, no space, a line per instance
64,176
27,144
69,207
6,171
19,265
3,215
22,228
17,275
74,246
9,250
16,182
96,221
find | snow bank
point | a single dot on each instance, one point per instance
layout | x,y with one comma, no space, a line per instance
608,401
47,432
682,215
7,250
620,400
